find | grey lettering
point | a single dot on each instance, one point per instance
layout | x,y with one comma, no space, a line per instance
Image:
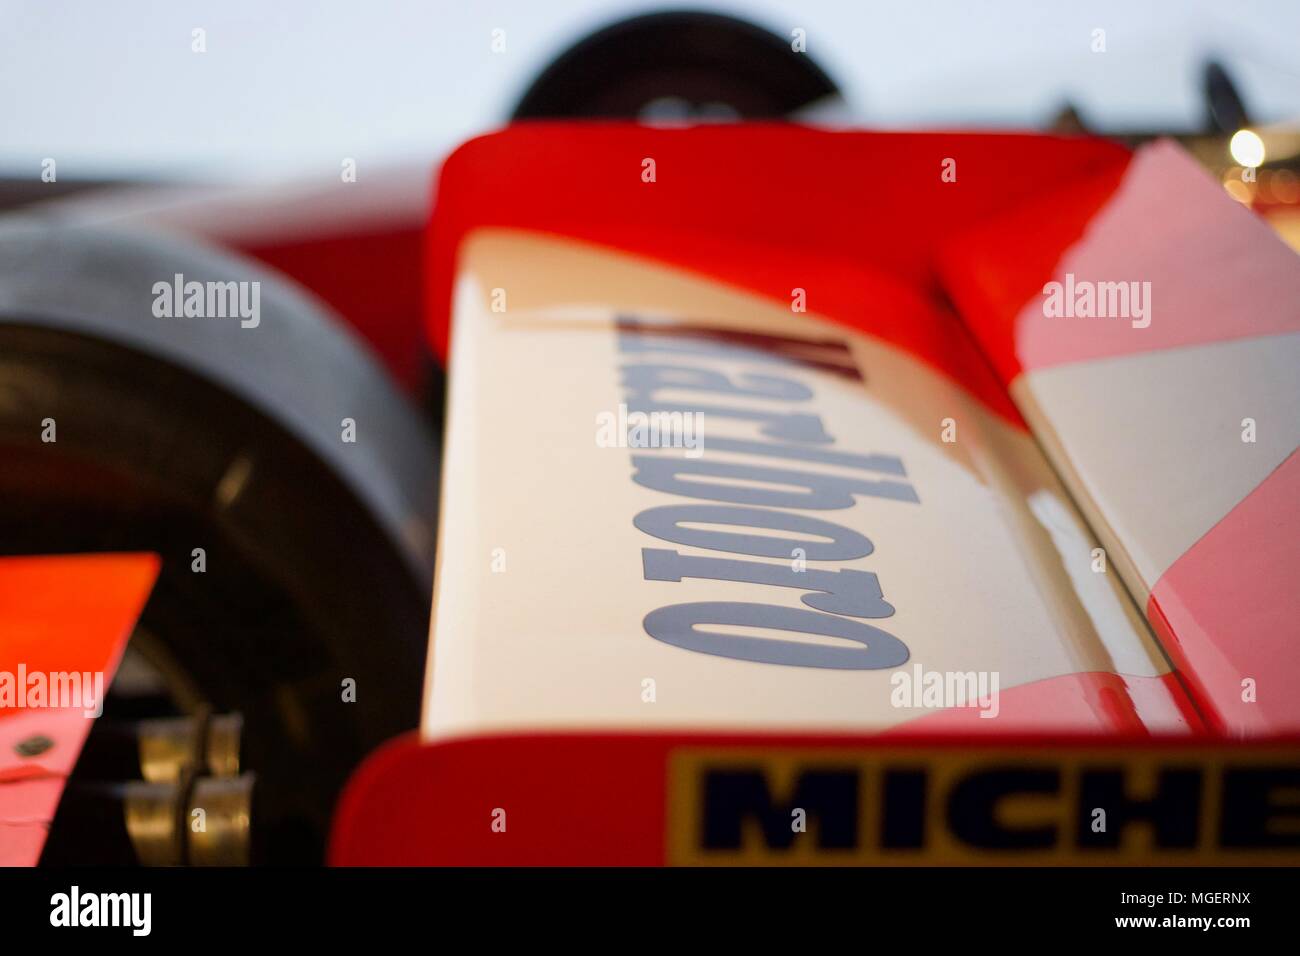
847,591
676,625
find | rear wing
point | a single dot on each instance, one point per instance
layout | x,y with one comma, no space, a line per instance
768,534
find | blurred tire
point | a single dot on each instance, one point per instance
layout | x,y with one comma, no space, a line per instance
180,433
677,65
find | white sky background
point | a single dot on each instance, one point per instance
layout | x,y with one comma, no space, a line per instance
288,87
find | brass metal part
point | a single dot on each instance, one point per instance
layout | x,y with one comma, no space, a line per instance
151,811
224,732
168,746
218,821
178,814
207,744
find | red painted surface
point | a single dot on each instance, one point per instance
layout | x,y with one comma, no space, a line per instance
1229,609
371,278
741,205
570,800
878,240
567,799
1217,271
57,614
1090,702
598,799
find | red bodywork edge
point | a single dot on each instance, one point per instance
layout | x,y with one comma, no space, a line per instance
58,614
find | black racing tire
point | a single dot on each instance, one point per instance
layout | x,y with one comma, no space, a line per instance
700,59
181,433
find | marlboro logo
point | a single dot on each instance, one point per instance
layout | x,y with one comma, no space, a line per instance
764,494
